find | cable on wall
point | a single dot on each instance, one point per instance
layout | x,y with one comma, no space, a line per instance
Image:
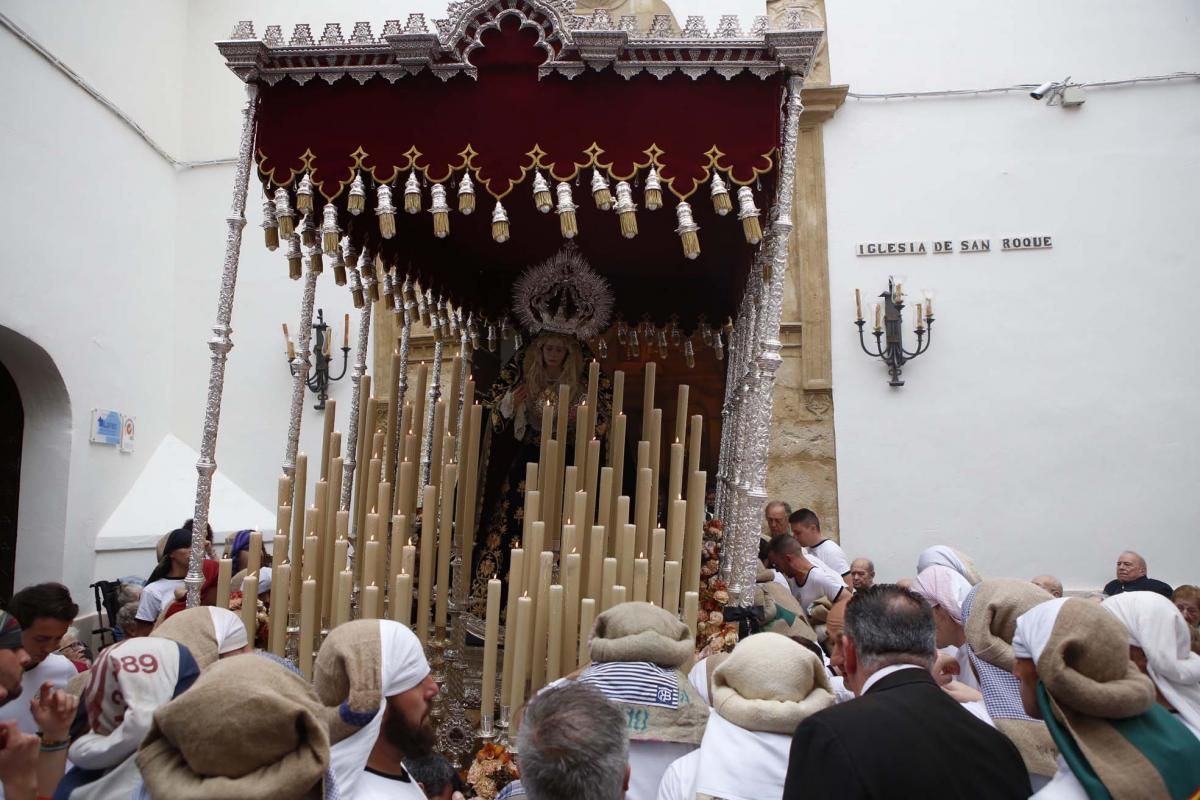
1020,87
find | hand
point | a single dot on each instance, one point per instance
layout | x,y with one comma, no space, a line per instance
18,761
961,692
54,711
944,669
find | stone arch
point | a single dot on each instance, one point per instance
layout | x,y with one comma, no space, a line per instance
45,459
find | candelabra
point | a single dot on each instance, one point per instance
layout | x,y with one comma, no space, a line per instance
319,379
889,322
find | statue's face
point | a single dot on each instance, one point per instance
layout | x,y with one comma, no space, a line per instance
554,353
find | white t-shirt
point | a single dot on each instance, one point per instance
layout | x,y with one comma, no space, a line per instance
820,581
157,596
832,554
373,785
57,670
648,762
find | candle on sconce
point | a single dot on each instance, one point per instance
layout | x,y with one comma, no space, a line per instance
928,304
920,319
878,316
346,331
857,306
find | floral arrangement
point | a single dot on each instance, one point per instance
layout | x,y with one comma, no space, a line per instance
262,629
713,633
492,770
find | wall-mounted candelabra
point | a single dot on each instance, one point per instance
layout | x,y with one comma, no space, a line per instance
889,322
318,378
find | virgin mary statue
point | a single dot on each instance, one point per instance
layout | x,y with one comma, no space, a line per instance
561,303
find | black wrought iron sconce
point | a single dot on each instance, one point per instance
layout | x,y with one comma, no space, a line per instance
889,322
318,379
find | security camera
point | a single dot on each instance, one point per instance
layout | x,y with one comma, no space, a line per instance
1041,91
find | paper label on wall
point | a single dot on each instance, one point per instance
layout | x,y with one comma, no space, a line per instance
106,426
128,428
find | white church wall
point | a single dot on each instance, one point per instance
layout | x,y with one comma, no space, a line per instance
1052,422
87,277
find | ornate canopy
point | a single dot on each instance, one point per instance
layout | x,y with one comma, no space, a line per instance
508,93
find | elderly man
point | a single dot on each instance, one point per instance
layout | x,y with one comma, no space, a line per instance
777,513
1050,583
862,574
903,736
1131,577
573,744
806,527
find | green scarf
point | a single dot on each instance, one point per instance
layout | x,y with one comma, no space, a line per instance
1154,744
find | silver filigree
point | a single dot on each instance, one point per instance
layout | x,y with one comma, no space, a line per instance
273,36
332,34
243,30
302,36
362,34
695,28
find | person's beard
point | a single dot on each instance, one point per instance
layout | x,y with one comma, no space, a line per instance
413,743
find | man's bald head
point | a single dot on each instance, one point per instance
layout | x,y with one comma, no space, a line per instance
1130,566
1050,583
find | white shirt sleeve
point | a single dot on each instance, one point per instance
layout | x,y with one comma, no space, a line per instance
676,780
149,606
834,556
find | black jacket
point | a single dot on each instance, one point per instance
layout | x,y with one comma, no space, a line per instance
1142,584
905,738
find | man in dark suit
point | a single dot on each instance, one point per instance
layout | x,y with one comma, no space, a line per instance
904,736
1131,577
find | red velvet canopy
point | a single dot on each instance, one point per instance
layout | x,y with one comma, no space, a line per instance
508,121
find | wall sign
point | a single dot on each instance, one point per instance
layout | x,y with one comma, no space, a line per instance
128,429
105,427
946,246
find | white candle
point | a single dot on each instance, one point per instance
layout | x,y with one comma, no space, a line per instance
281,584
691,610
541,622
554,627
224,576
670,595
675,523
445,537
618,594
658,538
491,641
693,532
641,579
370,602
520,647
341,603
308,615
250,606
590,477
625,556
401,607
643,502
603,502
593,390
428,539
254,555
595,564
516,587
618,462
648,374
607,581
681,405
587,617
570,581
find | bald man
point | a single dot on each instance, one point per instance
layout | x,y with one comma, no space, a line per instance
1131,577
1050,583
862,574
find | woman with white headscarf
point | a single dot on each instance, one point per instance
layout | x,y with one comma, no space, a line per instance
127,683
1114,741
947,556
946,591
1160,646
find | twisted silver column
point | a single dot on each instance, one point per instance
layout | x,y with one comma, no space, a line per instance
300,365
350,460
220,344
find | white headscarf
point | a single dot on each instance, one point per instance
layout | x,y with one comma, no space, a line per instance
1156,626
1034,628
228,629
948,557
402,667
943,586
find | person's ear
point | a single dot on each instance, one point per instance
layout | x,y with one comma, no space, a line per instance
628,771
849,654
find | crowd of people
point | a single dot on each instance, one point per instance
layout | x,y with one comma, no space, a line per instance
946,682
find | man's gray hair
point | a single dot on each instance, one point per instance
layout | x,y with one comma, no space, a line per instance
787,509
573,745
891,625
